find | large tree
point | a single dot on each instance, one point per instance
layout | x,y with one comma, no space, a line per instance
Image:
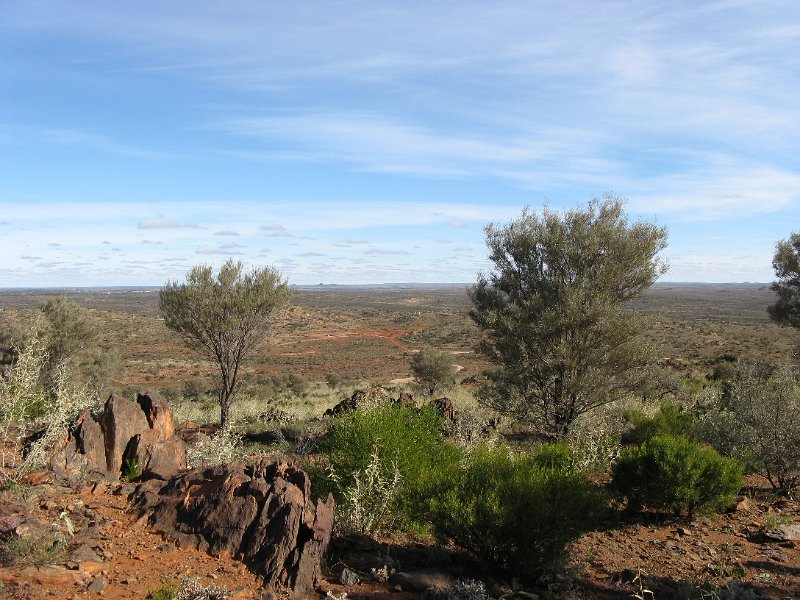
552,310
786,262
224,317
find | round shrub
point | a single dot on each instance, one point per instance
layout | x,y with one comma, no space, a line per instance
677,474
511,511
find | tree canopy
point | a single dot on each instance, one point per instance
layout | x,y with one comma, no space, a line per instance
551,309
224,316
433,370
786,262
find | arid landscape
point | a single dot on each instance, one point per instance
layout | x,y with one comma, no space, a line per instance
342,339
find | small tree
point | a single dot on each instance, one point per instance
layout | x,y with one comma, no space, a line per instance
224,317
552,310
433,369
786,262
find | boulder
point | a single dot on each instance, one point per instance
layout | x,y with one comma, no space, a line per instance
262,514
122,421
156,457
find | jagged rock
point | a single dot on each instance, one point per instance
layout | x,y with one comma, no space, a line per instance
139,431
122,421
158,415
349,577
359,399
261,514
445,408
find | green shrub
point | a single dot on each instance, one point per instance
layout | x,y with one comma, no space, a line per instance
405,446
513,512
669,420
678,474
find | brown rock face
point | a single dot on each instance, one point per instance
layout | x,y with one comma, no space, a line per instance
122,421
261,514
158,414
127,431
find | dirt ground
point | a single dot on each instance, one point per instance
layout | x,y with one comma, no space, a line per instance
112,556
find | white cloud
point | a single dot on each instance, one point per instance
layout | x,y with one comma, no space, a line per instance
164,224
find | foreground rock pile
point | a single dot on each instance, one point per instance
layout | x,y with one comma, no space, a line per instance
262,515
138,436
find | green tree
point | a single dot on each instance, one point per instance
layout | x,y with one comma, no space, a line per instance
72,334
433,369
786,262
224,317
552,310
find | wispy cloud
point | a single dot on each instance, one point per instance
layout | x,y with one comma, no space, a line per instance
275,230
164,224
227,233
384,252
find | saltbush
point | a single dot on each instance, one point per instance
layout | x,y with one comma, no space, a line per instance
678,474
757,421
516,512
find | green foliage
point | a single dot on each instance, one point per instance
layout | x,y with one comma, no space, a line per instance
668,420
433,370
511,511
130,470
757,421
284,384
168,591
677,474
224,317
408,447
552,311
786,262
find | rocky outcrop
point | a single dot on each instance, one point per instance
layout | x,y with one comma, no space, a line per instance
262,514
360,399
127,433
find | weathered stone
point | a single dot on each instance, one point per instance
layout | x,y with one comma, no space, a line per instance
89,441
419,581
158,414
784,533
261,514
122,420
154,456
349,577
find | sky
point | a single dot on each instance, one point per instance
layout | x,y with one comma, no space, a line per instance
358,142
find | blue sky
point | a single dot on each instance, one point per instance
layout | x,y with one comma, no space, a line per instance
369,142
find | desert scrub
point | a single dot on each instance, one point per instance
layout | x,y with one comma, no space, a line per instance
224,447
26,407
757,421
677,474
512,512
668,420
389,443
